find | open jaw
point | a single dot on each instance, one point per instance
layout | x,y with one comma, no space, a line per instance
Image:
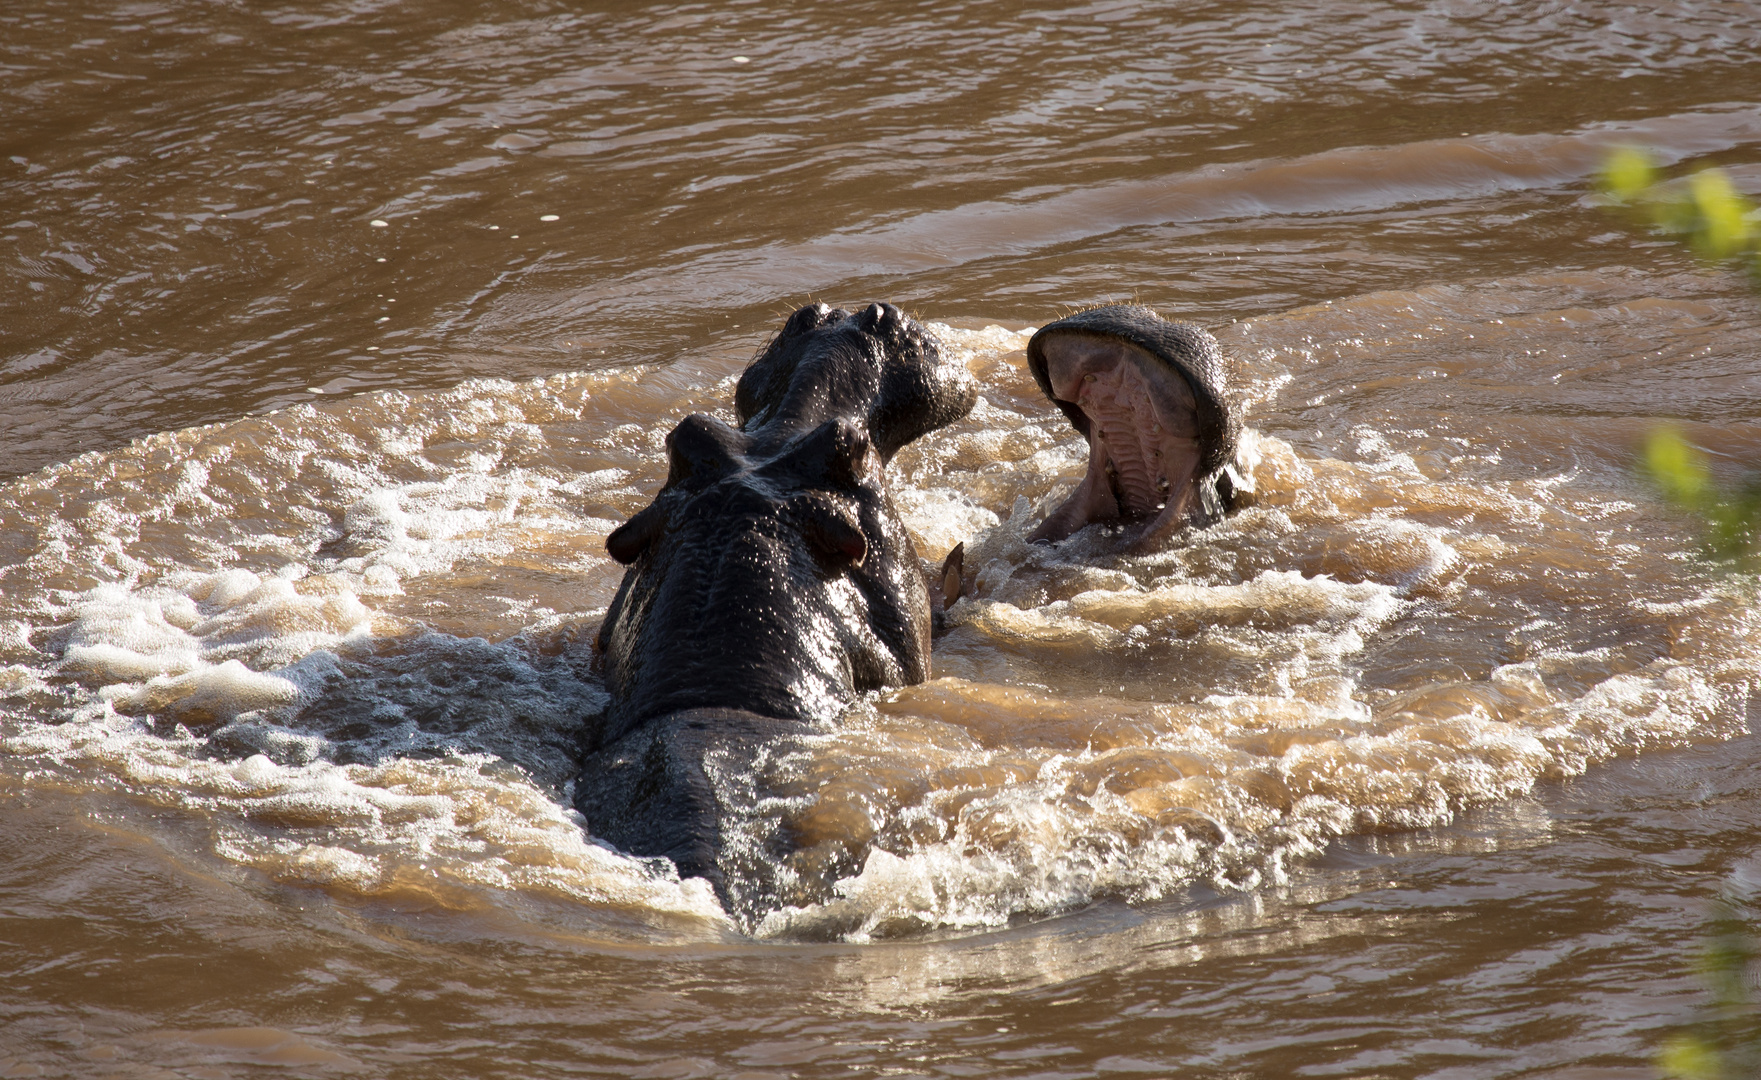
1126,379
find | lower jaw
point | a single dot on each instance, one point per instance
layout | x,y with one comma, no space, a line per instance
1144,534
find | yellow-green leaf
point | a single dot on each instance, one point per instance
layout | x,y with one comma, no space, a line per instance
1689,1058
1628,173
1679,469
1723,215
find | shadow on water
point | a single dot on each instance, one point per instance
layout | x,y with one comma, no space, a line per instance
524,700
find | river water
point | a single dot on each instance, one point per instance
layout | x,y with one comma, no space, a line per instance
337,335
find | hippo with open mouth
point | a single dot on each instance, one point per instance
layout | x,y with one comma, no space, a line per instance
771,581
1149,395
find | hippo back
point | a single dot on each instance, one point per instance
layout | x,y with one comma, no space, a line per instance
769,581
776,586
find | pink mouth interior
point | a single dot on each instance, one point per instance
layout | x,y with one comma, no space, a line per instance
1143,444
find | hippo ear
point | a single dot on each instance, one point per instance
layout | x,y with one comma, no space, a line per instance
833,532
702,449
628,541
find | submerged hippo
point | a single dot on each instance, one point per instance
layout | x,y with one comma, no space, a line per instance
770,580
1150,397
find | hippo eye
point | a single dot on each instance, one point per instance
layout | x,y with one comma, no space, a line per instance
850,460
811,317
836,451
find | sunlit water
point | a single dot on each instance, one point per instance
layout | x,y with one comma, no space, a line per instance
1422,763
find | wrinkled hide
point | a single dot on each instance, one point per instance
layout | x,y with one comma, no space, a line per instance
770,580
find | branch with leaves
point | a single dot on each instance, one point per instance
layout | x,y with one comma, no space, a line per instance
1705,211
1725,1042
1708,214
1730,515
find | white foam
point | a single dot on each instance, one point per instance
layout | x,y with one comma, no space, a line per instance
355,638
428,828
120,635
939,518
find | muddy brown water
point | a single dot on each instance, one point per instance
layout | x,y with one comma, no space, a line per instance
336,336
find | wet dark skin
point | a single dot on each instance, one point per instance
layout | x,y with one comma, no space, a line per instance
770,581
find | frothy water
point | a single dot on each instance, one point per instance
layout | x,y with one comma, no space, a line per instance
348,643
288,703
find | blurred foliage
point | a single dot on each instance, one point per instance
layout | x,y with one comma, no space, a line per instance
1724,1043
1707,213
1730,515
1704,211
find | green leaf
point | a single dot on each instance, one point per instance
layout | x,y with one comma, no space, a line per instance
1677,468
1690,1058
1628,173
1722,216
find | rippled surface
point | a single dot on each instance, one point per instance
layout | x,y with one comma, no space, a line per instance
1424,763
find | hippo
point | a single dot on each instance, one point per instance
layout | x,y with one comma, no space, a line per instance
770,581
1150,397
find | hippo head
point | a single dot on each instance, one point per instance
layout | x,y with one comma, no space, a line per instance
1149,395
771,574
875,367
